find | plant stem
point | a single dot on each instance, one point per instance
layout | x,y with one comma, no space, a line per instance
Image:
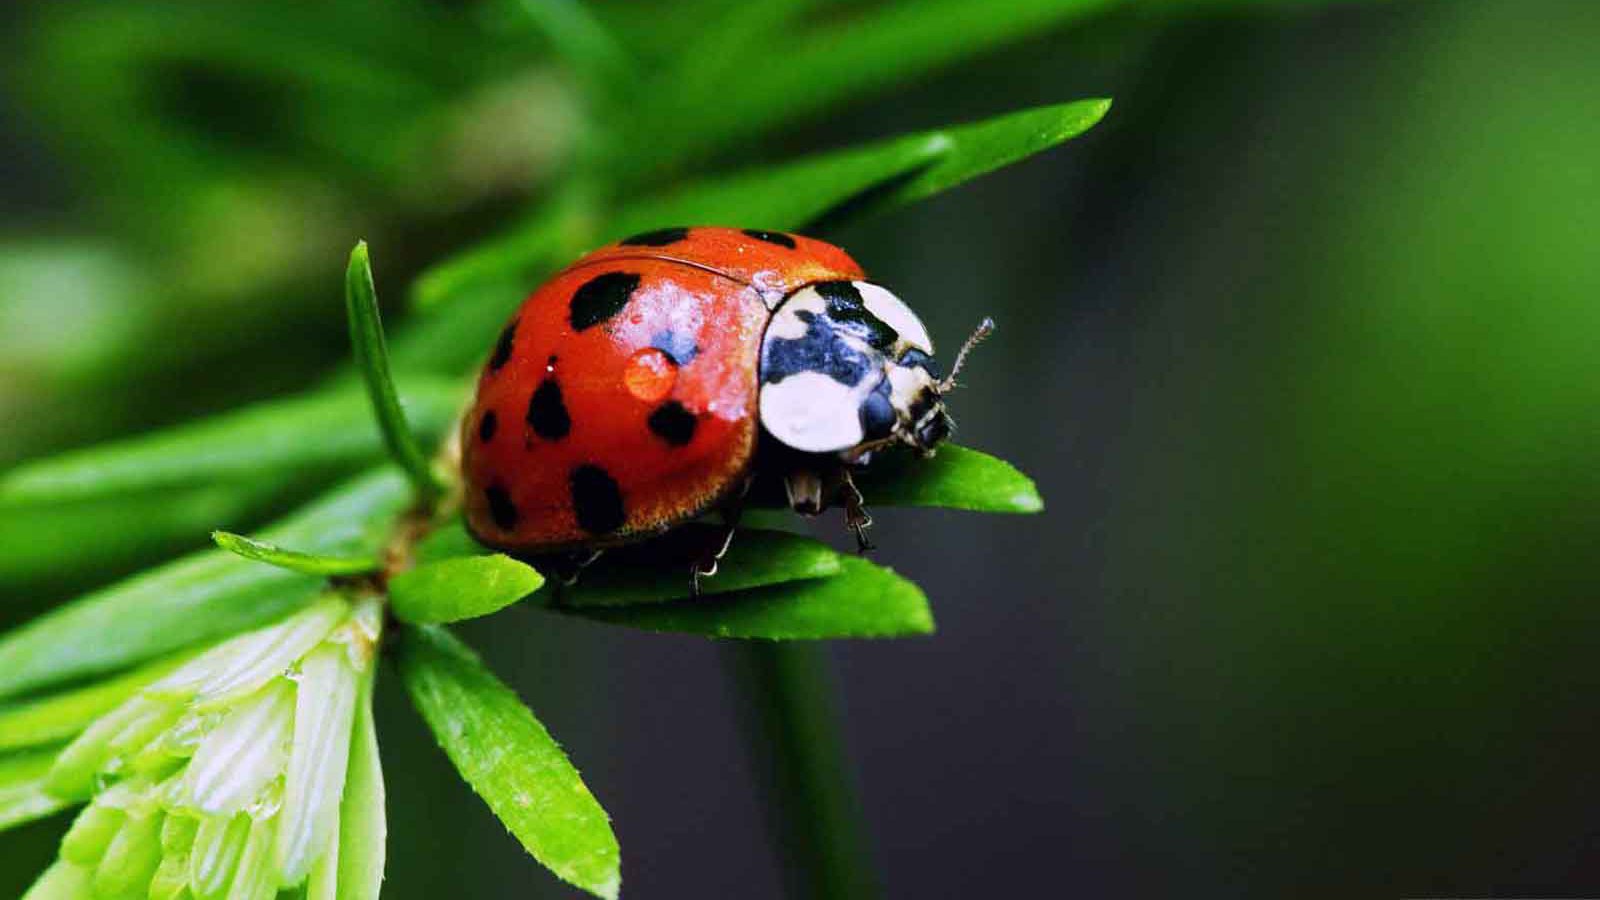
795,738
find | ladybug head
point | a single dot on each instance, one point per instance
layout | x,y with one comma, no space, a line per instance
918,394
847,368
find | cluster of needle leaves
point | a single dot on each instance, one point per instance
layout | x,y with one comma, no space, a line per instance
384,518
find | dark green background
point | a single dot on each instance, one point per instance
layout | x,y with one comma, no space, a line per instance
1302,345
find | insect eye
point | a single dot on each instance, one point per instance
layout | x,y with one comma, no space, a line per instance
915,358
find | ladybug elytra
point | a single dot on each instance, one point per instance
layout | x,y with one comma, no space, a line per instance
648,382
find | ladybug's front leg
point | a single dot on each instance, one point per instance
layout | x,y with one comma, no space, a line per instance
855,511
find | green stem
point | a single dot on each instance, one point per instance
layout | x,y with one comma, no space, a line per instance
795,738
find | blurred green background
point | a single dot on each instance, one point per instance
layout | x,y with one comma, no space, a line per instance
1302,344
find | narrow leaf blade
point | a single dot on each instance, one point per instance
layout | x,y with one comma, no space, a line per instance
59,717
23,797
462,588
293,560
326,428
789,195
510,760
756,558
659,571
828,64
372,359
363,820
200,597
956,477
864,600
981,147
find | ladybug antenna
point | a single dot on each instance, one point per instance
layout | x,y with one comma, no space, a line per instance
984,329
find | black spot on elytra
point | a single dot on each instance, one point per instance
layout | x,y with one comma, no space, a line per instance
501,509
487,425
602,297
547,414
681,347
849,311
502,347
661,237
673,423
877,413
771,237
596,500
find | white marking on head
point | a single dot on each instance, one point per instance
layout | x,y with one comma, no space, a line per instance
906,383
786,322
813,413
893,312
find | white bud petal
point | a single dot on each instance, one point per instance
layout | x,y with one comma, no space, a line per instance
233,662
314,782
62,881
85,842
246,751
323,883
131,858
73,773
254,877
280,646
171,880
218,844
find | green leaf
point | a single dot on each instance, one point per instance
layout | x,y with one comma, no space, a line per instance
363,823
293,560
754,559
58,717
857,182
786,196
560,228
463,588
62,881
448,540
74,539
981,147
200,597
819,68
372,359
825,188
510,760
317,429
581,41
659,570
956,477
23,797
864,600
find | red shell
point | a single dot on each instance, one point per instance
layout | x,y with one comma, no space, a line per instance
621,399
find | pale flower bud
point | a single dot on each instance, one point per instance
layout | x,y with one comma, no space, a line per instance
222,780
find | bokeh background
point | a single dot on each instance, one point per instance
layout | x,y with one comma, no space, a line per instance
1302,345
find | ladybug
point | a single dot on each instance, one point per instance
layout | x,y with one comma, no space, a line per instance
649,382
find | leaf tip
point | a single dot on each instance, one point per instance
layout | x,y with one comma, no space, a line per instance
610,888
1027,501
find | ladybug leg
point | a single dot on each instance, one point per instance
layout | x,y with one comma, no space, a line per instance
855,511
715,549
804,487
568,567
